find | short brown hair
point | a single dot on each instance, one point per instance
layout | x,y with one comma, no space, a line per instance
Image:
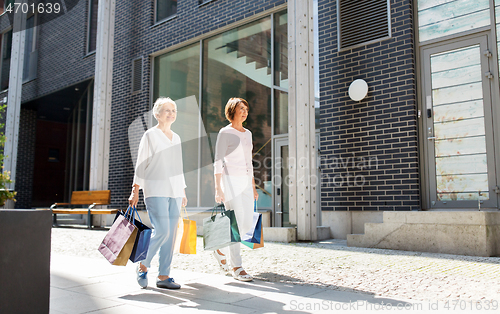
231,106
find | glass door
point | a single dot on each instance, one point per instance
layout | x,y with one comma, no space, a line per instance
458,125
280,182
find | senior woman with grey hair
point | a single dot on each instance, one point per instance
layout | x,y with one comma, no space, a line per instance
159,173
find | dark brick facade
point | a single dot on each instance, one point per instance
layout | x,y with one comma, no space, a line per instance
62,58
62,62
135,36
25,159
369,153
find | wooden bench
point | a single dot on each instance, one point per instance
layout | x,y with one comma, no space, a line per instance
87,198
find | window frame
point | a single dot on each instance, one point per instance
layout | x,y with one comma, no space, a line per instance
2,47
203,2
33,46
167,18
133,76
89,26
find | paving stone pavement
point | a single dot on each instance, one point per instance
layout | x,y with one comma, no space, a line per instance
331,264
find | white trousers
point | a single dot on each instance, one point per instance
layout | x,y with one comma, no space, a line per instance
238,194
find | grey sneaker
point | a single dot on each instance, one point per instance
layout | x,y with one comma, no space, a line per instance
142,278
167,284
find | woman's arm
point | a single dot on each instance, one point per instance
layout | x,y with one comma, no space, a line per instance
219,195
140,170
184,199
134,196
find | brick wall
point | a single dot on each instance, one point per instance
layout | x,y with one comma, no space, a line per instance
369,155
62,62
135,36
25,159
62,58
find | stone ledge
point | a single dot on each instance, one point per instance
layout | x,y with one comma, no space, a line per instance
460,232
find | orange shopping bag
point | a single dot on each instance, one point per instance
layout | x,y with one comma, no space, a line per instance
186,234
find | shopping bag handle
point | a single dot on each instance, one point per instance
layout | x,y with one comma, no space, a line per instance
255,206
136,213
183,211
216,206
131,213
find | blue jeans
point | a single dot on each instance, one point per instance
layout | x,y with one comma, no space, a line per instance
164,215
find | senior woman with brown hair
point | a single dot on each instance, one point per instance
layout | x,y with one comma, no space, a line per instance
234,180
159,173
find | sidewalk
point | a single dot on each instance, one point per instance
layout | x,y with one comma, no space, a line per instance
83,285
82,281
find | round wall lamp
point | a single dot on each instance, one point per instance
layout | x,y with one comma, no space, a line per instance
358,90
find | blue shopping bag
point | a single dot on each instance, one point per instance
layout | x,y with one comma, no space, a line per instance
255,237
141,245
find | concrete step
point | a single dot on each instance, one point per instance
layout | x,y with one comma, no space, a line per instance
355,240
459,232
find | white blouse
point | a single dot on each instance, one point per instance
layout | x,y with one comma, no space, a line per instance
159,169
233,152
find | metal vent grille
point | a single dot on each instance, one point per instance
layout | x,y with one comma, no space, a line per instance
362,21
137,75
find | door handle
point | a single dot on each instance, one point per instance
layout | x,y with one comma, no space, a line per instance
430,138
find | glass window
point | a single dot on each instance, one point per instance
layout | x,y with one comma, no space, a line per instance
92,36
280,112
177,75
4,4
281,50
29,58
165,9
6,51
442,18
237,63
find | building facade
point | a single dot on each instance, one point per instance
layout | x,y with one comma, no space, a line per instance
422,139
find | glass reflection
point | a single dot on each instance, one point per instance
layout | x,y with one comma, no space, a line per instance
237,64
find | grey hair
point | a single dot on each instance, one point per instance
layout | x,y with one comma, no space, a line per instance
159,104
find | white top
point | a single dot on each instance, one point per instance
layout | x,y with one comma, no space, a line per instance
159,170
233,152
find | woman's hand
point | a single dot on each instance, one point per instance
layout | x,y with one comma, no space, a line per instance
134,196
219,196
133,199
255,194
184,201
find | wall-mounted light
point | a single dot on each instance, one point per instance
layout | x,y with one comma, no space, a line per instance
358,90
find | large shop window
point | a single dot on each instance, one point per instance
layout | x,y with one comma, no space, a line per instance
236,63
177,75
165,9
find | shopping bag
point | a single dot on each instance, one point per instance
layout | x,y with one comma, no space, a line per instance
141,244
221,229
254,238
118,243
187,243
178,235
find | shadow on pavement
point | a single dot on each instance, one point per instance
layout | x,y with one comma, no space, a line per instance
341,292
